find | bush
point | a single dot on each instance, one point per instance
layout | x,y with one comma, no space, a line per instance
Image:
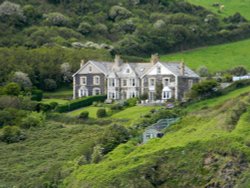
239,71
101,113
84,28
132,102
34,119
79,103
112,137
84,115
11,134
117,13
36,95
5,118
12,89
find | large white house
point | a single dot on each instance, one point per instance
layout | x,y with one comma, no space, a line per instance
119,80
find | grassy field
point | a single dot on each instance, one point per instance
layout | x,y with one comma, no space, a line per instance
215,58
231,6
134,113
50,100
179,159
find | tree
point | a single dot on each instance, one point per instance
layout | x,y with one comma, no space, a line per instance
203,71
84,28
12,89
36,95
204,89
66,72
22,79
12,13
118,13
50,84
112,137
57,19
239,71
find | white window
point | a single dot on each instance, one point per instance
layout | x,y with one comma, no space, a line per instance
83,80
166,95
90,68
190,83
83,92
96,80
166,81
159,70
151,82
132,82
111,82
96,91
111,95
124,82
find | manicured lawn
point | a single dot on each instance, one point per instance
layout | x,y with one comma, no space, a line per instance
59,101
134,113
91,109
231,6
215,58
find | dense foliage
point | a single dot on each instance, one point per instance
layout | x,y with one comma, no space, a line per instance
128,27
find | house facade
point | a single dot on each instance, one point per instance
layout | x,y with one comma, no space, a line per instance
119,80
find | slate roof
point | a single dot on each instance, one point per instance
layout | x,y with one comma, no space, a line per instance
141,68
174,67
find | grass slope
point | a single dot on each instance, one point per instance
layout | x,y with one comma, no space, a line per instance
215,58
182,158
231,6
40,157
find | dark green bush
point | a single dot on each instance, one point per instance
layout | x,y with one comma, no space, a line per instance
84,115
33,119
101,113
11,134
79,103
36,95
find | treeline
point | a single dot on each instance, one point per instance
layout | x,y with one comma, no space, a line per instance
44,68
133,27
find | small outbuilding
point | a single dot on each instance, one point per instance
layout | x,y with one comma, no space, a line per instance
157,130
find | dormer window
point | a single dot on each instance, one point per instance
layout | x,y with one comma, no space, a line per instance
128,71
90,69
158,70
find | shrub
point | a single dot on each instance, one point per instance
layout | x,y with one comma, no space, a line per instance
37,95
84,115
12,89
132,102
34,119
116,107
101,113
79,103
11,134
96,156
239,71
9,102
5,117
203,71
112,137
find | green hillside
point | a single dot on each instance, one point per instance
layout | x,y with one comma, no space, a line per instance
215,58
205,148
231,7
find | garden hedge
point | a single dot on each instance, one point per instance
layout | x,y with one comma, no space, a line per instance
79,103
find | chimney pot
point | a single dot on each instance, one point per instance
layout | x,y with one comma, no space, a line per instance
182,68
82,62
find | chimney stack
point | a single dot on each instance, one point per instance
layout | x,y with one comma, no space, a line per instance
82,63
117,61
154,58
182,68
